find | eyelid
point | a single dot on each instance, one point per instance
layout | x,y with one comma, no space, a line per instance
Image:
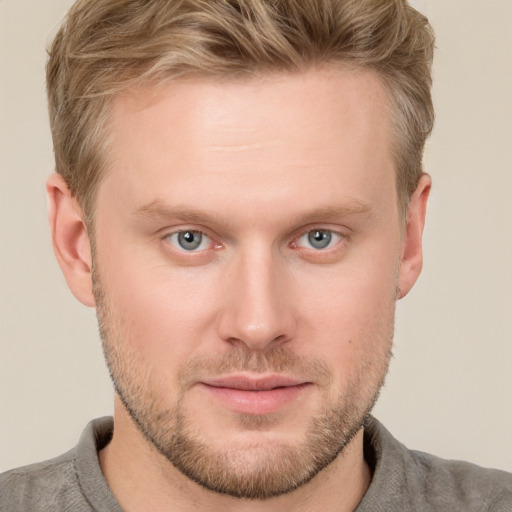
204,240
341,232
176,230
337,231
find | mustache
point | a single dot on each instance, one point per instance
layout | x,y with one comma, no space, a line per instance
280,360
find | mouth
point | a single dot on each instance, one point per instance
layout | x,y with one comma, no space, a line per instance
258,395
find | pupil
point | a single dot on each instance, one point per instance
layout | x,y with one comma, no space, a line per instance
319,239
190,240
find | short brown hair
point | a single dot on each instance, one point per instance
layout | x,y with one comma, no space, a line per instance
107,46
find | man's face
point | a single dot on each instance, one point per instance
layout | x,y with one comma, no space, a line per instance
247,253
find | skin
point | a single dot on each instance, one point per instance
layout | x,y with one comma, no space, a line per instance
255,165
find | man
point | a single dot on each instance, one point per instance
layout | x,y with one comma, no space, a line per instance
240,195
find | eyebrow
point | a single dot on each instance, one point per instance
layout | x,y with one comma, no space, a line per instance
351,208
159,210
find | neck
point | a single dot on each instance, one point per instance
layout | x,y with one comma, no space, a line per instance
142,479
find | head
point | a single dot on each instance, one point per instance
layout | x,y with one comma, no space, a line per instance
242,199
106,47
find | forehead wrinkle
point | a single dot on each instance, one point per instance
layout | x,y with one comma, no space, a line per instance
239,148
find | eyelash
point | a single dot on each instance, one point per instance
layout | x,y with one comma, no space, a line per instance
176,234
330,234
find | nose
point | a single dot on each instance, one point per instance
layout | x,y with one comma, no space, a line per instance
258,309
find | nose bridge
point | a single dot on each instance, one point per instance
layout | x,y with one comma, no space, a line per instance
257,311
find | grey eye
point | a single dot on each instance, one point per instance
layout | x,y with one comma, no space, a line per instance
189,240
319,238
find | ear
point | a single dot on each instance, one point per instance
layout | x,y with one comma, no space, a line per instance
411,253
70,239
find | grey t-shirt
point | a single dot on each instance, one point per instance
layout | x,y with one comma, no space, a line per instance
403,480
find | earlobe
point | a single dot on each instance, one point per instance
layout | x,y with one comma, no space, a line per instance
411,255
70,239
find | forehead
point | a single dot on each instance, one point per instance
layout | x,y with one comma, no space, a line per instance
303,102
264,139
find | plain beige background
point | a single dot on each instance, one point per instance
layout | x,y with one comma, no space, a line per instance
451,380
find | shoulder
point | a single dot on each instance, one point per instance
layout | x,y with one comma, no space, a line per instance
451,482
412,480
49,485
73,481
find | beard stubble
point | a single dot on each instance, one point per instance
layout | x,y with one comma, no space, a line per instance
250,472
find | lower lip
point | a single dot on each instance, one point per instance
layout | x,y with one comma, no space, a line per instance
257,402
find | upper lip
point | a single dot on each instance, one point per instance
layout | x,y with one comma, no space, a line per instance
256,383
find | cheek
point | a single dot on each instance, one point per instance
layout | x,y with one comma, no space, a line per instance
161,311
350,314
354,292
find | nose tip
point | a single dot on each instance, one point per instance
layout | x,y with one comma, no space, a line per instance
259,337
